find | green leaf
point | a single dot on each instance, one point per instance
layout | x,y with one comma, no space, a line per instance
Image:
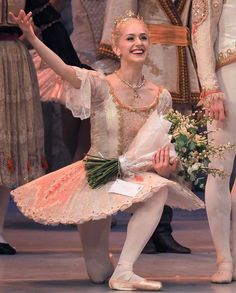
192,146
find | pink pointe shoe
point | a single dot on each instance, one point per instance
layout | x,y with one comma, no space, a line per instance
224,274
143,285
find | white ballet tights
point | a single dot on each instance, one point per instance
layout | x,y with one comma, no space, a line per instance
220,204
4,199
146,217
95,242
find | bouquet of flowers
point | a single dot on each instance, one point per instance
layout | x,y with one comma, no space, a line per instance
178,131
194,148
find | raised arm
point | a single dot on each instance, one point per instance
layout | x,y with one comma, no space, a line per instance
24,21
205,18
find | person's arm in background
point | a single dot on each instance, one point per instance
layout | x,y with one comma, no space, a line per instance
205,18
54,34
54,62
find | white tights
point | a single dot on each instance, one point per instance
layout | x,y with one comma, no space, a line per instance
94,236
4,199
95,242
220,204
147,216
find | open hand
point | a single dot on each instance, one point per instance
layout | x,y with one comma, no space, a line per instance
213,101
24,21
161,162
216,110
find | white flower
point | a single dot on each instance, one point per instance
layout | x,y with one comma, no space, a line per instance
184,150
200,139
190,170
194,167
181,130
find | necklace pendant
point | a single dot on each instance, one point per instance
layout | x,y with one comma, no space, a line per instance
136,95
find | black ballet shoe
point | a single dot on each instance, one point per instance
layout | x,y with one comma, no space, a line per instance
150,247
166,243
6,248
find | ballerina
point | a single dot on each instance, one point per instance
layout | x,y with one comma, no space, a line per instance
118,106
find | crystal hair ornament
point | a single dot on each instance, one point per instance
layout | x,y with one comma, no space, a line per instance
127,16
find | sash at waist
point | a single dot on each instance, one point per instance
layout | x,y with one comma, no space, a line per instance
168,34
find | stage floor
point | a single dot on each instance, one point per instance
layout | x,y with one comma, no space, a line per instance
49,259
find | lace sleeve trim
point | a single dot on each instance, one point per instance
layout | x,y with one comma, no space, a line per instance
165,102
208,97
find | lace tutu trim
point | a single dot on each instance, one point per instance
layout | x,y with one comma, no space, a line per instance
64,197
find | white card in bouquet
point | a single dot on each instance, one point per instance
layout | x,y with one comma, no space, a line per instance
125,188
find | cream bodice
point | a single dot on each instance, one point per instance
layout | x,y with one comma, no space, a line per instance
9,5
113,125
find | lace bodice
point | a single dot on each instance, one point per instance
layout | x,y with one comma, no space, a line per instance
113,126
131,120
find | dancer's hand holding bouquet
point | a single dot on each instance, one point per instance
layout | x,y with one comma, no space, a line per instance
162,164
163,143
151,149
141,155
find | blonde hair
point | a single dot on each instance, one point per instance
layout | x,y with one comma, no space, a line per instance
116,31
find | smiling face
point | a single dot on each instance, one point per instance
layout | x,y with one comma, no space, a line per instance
131,41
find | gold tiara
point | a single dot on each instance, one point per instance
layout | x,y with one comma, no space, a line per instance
127,15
